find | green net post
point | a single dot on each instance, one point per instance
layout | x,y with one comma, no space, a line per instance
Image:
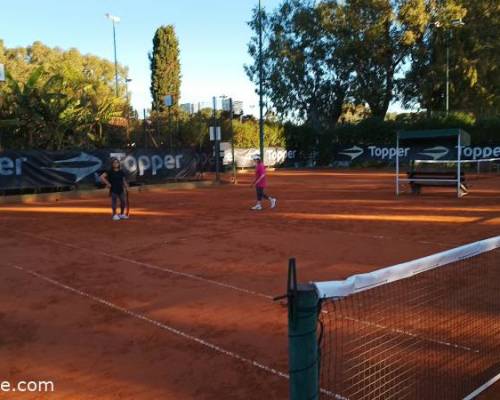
302,338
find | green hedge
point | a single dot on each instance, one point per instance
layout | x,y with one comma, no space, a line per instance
383,132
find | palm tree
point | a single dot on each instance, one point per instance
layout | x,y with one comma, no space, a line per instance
95,111
24,98
47,110
39,109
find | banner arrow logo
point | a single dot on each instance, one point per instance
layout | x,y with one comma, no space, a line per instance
88,165
353,152
436,153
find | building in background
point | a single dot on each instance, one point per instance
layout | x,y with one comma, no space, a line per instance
192,108
223,104
237,106
188,107
202,105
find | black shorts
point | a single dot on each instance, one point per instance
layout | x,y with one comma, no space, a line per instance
260,193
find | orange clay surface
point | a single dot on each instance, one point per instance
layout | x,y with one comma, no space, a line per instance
176,303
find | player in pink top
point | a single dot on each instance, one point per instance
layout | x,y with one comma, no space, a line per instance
260,183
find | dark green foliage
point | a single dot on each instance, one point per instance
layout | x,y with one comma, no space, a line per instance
165,67
304,77
57,99
379,132
321,55
474,57
192,130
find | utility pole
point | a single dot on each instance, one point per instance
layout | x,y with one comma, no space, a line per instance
232,137
114,20
261,78
2,80
456,23
448,37
127,80
145,123
216,142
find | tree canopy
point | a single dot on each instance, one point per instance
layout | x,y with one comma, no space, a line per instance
474,59
321,54
57,98
165,67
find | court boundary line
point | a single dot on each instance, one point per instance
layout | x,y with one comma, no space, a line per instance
185,274
149,266
92,194
482,388
151,321
163,326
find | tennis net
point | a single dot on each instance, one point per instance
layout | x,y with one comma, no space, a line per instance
425,329
480,168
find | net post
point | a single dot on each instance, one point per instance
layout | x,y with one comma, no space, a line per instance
303,351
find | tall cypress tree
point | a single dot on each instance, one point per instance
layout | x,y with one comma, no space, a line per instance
165,67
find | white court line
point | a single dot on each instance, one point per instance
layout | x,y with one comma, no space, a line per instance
411,334
165,327
158,324
482,388
150,266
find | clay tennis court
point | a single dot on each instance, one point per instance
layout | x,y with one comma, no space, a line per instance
176,303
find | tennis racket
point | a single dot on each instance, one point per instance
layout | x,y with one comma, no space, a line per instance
127,209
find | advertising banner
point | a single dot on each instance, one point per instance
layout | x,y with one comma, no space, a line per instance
273,156
364,153
44,169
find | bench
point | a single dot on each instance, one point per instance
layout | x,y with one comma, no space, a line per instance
417,180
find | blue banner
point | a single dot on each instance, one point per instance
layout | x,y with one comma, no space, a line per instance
44,169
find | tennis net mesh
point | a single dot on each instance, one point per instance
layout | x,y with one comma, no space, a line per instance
482,168
426,329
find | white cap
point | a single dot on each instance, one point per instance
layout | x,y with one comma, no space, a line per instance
256,157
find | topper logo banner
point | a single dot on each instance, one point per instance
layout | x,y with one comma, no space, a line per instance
353,152
43,169
366,153
80,166
437,153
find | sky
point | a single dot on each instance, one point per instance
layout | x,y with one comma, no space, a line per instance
213,37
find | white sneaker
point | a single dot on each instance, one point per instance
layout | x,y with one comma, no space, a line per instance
124,216
116,217
273,201
257,207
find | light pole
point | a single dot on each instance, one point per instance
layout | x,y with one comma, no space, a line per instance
231,112
114,20
447,106
127,80
216,143
453,24
2,80
261,78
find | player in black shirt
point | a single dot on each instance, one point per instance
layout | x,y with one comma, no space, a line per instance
115,181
